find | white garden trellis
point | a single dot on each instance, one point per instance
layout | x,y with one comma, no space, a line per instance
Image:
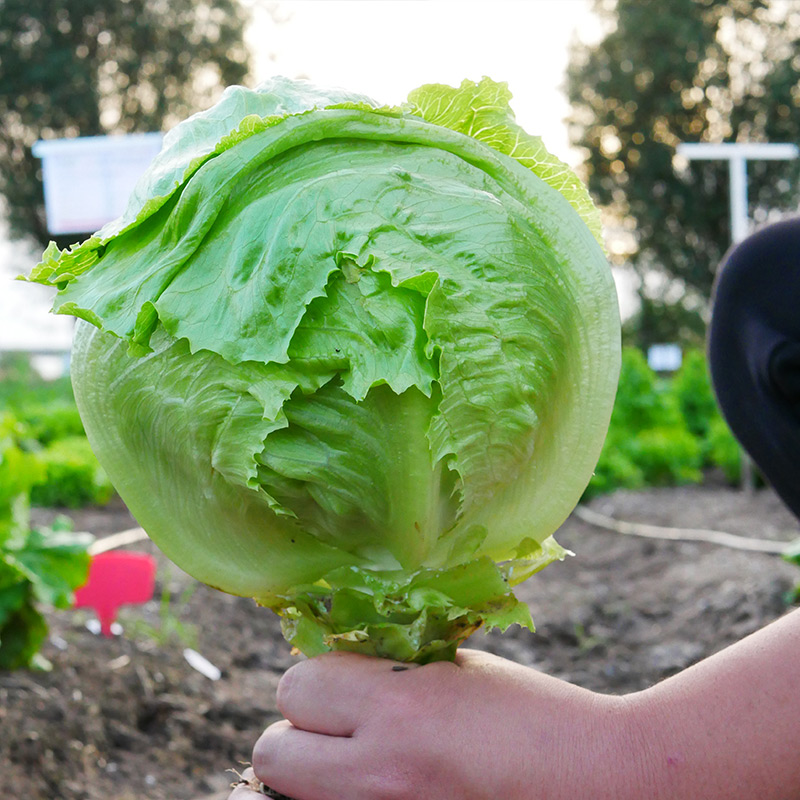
737,154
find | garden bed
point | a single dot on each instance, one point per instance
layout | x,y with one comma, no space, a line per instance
128,717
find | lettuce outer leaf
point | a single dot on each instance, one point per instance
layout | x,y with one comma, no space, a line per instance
181,454
421,616
482,111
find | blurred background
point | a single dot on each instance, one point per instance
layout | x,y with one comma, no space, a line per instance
614,88
90,68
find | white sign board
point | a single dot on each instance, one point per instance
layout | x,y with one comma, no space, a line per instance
664,357
88,180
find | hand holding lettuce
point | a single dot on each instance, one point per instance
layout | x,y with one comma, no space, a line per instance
353,361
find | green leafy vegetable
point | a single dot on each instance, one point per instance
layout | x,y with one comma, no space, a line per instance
353,361
72,478
37,567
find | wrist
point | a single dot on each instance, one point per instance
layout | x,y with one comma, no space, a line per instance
654,736
604,750
639,747
622,752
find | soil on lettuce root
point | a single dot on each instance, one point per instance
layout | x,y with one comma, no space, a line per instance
127,717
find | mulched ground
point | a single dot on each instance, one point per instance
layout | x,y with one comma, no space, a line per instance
128,717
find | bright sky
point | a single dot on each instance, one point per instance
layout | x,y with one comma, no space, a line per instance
383,48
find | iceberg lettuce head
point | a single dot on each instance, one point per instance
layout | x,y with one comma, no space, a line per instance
356,362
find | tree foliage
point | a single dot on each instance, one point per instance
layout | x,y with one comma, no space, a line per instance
90,67
683,71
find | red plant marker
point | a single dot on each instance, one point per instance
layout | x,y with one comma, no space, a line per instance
116,578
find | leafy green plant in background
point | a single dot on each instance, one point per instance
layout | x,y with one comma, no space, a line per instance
23,390
72,478
691,387
664,431
643,401
615,470
694,395
667,456
40,567
19,470
648,442
723,450
49,423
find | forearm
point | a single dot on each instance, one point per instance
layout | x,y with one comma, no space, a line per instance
728,727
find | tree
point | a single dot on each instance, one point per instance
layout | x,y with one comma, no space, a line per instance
90,67
683,71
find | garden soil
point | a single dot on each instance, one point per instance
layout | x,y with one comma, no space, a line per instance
128,718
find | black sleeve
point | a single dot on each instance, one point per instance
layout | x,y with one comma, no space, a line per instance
754,352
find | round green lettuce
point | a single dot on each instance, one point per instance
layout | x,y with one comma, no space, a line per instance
356,362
